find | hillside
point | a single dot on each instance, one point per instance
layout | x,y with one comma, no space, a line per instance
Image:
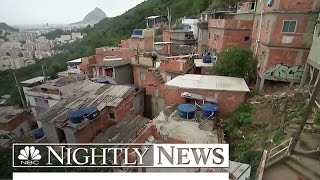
109,31
6,27
93,17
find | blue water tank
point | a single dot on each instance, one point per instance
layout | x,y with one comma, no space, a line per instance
137,32
90,113
207,59
76,116
38,133
187,111
208,109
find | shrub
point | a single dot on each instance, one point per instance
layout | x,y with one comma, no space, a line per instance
317,119
243,114
236,62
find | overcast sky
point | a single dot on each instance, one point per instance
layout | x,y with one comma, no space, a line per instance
15,12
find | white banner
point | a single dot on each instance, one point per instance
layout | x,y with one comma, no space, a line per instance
131,176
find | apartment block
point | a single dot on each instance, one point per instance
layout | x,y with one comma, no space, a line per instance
281,38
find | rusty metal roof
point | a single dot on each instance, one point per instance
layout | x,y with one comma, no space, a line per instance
105,96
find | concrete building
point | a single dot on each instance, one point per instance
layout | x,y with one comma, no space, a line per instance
312,66
29,84
153,78
231,30
73,68
113,104
179,37
142,39
117,69
203,68
191,25
156,21
125,51
86,65
227,92
46,95
282,37
76,36
65,38
14,120
14,63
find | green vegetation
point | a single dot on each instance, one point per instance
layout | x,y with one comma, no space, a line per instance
56,34
246,140
278,136
6,27
243,114
317,119
236,62
224,3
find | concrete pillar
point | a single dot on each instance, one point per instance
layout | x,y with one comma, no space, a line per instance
291,85
258,82
306,72
261,85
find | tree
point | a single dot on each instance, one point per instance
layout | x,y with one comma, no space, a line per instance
236,62
224,3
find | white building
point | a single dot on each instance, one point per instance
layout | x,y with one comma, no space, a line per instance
191,25
75,36
65,38
29,84
14,63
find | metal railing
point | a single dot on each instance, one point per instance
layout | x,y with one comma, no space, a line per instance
282,150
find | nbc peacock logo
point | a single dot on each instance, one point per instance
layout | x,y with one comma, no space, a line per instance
29,155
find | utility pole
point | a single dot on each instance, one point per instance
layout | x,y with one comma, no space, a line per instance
44,75
17,84
169,17
305,117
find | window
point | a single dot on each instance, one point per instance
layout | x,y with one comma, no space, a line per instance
209,35
289,26
111,116
142,76
247,38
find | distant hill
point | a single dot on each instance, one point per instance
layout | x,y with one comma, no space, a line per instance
7,28
93,17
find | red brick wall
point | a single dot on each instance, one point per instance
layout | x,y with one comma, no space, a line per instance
228,101
136,76
54,91
166,36
205,71
125,43
127,53
171,65
225,33
301,30
149,44
14,123
298,5
86,134
283,56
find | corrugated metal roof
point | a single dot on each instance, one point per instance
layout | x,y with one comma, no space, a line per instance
90,95
33,80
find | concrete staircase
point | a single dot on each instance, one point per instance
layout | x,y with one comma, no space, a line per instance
159,76
306,167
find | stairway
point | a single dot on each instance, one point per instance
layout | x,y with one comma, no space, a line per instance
306,167
159,76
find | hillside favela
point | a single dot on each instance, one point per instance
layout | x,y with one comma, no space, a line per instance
239,72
